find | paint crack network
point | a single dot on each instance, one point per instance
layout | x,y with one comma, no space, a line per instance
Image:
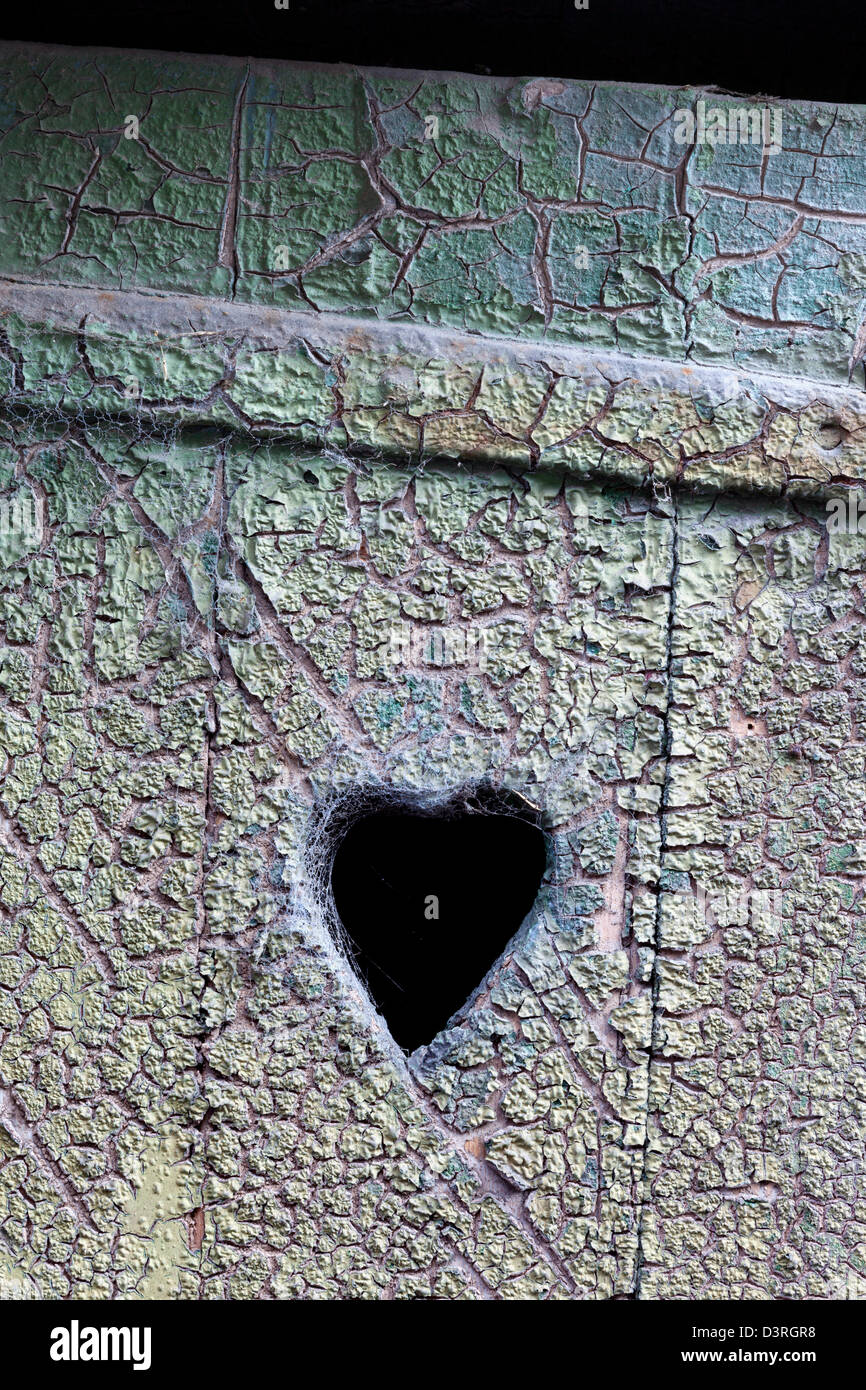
382,435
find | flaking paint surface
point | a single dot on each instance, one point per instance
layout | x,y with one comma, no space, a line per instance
214,519
528,207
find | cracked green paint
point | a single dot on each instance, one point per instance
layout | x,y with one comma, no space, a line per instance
211,527
545,208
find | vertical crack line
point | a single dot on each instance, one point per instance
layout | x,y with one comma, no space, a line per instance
214,517
197,1217
227,254
540,262
667,739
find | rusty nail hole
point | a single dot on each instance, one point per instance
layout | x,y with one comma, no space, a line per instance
196,1229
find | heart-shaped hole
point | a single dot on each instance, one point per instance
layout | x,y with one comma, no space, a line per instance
429,900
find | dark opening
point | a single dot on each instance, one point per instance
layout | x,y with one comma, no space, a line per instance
429,901
791,48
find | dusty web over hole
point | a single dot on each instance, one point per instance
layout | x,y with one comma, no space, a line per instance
428,898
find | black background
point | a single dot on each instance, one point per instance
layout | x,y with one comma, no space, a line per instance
768,47
247,1344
